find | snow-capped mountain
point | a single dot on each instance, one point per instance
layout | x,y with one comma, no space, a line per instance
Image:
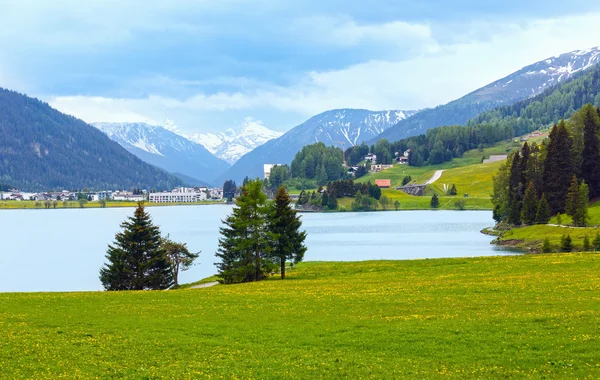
533,79
525,83
162,147
234,143
342,128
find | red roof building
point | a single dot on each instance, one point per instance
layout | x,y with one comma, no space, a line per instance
383,183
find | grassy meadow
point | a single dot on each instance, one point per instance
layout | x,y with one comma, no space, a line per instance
533,316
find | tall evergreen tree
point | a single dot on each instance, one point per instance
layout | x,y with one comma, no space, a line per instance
558,168
590,164
577,202
530,205
285,224
244,246
515,200
137,260
543,211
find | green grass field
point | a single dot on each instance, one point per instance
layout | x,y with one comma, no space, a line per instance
533,316
476,180
423,173
74,204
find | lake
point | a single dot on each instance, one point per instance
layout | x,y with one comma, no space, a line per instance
62,250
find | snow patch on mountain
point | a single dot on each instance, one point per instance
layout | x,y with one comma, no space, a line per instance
232,144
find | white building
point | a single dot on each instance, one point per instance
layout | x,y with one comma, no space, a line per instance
128,196
267,169
173,197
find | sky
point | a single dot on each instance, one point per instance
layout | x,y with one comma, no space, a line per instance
208,65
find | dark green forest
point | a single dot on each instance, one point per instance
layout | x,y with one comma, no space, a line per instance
44,149
319,163
560,175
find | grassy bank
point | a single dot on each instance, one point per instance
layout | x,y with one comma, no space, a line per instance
522,316
74,204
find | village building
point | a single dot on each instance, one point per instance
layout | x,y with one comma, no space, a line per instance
380,167
178,197
383,183
372,158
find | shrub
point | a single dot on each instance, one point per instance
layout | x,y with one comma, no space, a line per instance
546,247
566,243
460,204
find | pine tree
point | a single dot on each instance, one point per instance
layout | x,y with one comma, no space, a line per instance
452,190
515,200
324,199
590,165
137,260
530,205
586,244
244,246
596,242
566,243
333,202
435,201
546,246
285,226
543,211
577,202
558,168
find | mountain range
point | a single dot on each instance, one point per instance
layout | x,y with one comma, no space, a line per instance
161,146
234,143
525,83
42,149
341,127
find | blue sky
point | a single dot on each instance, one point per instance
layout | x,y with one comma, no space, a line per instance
208,64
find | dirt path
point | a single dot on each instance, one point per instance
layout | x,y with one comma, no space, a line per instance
434,177
207,285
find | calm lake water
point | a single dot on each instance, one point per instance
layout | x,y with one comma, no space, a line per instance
62,250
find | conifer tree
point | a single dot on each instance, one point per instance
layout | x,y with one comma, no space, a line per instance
333,202
586,244
596,242
435,201
566,243
452,190
324,199
530,205
137,260
546,246
543,211
244,245
288,241
515,200
558,168
590,165
577,202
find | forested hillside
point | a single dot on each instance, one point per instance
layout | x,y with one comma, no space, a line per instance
41,149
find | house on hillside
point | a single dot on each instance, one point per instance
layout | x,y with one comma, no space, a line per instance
372,158
380,167
383,183
402,160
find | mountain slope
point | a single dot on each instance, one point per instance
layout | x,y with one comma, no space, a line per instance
348,126
161,147
232,144
527,82
42,149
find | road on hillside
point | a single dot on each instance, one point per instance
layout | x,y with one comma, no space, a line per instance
434,177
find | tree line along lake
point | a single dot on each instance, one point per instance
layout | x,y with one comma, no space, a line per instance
63,250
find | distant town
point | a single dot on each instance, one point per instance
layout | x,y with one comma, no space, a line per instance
177,195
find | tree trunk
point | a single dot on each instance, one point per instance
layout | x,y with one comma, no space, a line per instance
283,268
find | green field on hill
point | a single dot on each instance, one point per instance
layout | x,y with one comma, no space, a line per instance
497,317
420,174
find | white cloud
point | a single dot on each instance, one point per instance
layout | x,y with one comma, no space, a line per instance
438,74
